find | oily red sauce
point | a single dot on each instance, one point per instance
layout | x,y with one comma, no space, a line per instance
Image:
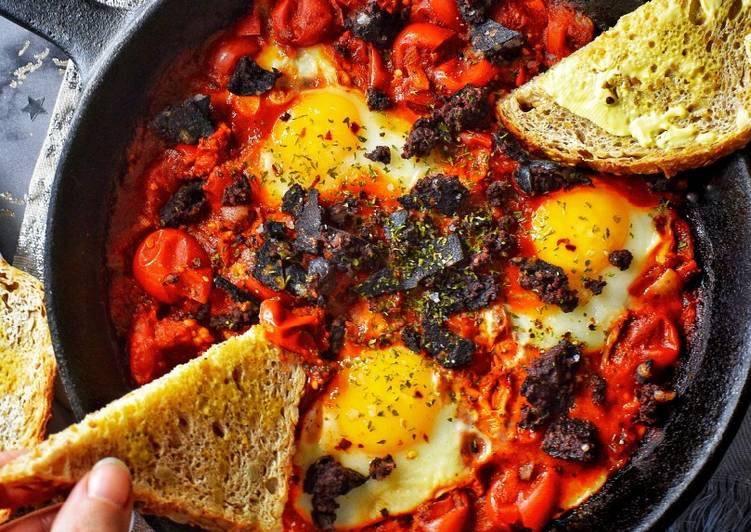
166,303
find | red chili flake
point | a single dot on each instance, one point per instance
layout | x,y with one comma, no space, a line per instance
328,135
343,445
354,127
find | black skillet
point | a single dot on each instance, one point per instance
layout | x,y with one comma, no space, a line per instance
121,54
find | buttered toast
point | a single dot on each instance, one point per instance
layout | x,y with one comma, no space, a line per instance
209,444
668,88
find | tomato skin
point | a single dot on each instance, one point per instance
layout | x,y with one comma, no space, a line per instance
443,12
170,265
454,74
303,22
450,514
294,330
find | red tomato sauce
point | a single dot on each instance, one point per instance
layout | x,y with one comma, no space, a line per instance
176,290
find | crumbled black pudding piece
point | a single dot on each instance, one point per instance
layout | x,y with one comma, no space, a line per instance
249,79
541,177
571,439
380,468
296,280
308,223
654,400
621,259
495,41
326,480
380,283
462,289
474,11
499,192
381,154
350,252
425,134
432,257
293,199
450,350
185,123
343,214
549,386
468,109
549,282
269,267
505,142
599,387
274,229
594,285
236,319
235,293
378,100
321,277
375,25
185,206
412,339
238,193
446,194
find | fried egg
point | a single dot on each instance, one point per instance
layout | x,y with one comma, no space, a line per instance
323,137
395,402
577,230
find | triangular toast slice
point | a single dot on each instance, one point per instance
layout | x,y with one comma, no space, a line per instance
666,89
208,444
27,362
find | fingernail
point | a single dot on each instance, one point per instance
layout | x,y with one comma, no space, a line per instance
110,482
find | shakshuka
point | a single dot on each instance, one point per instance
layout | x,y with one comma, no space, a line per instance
487,335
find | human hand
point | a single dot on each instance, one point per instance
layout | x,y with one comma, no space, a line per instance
102,501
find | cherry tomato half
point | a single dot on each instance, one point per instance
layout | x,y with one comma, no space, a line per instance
450,514
170,265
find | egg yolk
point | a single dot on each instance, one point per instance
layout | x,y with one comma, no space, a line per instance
385,401
578,229
317,134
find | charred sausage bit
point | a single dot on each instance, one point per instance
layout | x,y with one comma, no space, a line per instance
337,332
599,386
474,11
425,134
594,285
621,259
549,386
653,401
238,193
467,109
571,439
326,480
274,229
249,79
308,223
412,339
293,199
380,468
450,350
375,25
499,192
549,282
185,123
235,293
381,154
446,194
185,206
541,177
378,100
496,42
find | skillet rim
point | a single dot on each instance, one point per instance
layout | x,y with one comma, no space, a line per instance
652,516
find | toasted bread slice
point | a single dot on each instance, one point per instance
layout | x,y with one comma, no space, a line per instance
209,444
666,89
27,362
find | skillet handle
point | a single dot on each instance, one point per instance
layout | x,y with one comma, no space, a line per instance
81,28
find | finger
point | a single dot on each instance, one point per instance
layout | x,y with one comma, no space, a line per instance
40,521
9,456
101,502
15,497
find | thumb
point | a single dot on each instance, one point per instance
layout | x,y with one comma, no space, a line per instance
102,501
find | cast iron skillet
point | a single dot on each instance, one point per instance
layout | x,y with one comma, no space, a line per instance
121,54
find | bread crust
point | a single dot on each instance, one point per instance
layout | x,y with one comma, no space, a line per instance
700,78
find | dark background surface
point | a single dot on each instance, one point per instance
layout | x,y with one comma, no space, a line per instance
25,112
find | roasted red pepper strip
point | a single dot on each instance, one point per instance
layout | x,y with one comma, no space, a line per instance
303,22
